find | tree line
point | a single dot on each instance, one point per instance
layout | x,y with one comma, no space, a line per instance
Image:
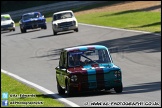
7,6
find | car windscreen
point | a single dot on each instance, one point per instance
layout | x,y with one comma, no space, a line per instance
62,16
97,56
4,18
30,16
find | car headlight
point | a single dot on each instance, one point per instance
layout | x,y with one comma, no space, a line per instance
73,78
44,20
55,25
74,22
117,74
12,23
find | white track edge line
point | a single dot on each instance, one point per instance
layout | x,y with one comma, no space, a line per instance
118,28
41,88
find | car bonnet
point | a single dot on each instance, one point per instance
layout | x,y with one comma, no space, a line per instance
94,68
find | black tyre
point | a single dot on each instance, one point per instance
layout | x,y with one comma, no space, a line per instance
76,30
45,27
69,91
23,30
13,29
59,89
118,89
54,33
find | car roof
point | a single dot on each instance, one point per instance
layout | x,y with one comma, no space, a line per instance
31,13
84,48
62,12
6,15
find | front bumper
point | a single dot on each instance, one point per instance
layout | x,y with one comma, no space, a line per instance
33,26
100,85
60,29
7,27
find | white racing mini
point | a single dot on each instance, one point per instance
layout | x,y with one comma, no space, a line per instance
7,23
64,21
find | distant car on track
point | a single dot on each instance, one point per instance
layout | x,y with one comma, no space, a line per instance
32,20
7,23
64,21
87,68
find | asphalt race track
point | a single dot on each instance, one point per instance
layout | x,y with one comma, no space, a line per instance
34,56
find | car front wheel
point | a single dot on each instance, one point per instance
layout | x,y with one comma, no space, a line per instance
59,89
118,89
76,30
45,27
54,33
69,91
23,30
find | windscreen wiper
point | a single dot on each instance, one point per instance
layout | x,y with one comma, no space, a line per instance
89,59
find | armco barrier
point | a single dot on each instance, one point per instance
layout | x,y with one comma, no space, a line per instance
60,6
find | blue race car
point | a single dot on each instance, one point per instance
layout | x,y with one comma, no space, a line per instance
87,68
32,20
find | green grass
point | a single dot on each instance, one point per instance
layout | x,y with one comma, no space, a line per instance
135,20
12,86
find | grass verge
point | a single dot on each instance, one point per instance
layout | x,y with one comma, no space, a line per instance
16,89
134,20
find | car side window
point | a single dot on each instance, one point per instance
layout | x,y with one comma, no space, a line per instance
65,59
62,60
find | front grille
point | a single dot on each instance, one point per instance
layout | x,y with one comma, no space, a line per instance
65,24
107,83
33,22
6,26
97,80
92,84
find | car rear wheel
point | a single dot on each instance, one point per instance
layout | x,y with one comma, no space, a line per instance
118,89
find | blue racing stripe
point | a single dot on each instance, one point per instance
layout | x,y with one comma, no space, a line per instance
91,76
83,49
100,47
106,69
106,73
87,66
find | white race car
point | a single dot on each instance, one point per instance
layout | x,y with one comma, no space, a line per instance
64,21
7,23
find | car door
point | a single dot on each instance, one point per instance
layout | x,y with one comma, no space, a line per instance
61,70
